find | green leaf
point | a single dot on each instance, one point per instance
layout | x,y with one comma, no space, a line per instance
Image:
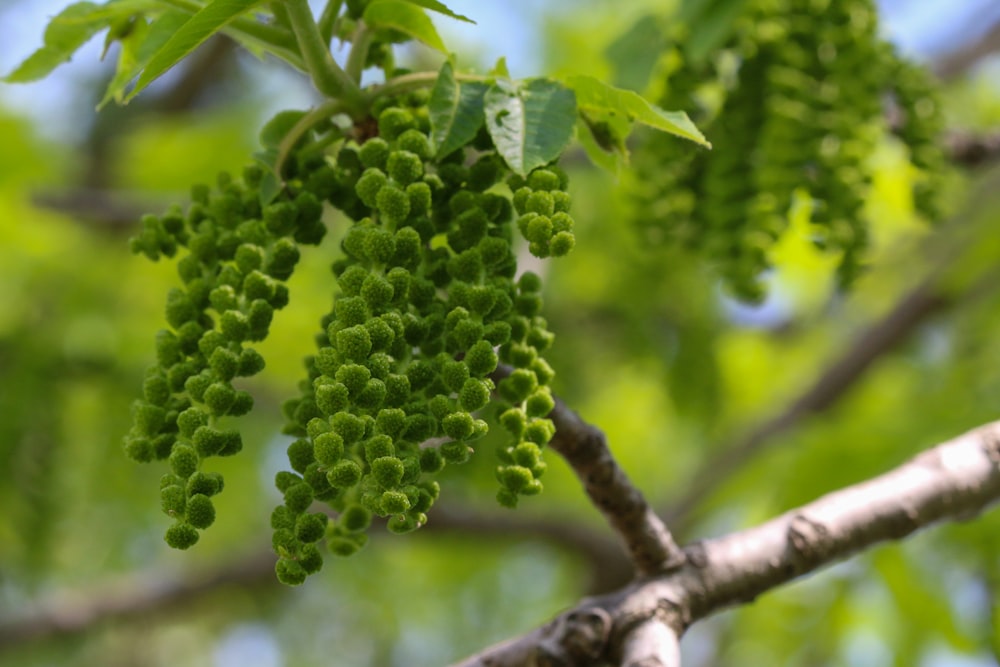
610,161
198,28
270,184
595,96
500,70
438,7
456,111
403,16
68,31
531,124
608,133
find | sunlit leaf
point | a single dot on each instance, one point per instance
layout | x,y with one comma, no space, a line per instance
405,17
440,8
593,95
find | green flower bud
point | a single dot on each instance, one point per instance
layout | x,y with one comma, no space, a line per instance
172,500
474,395
181,536
332,398
397,390
298,497
431,461
561,244
354,377
191,420
200,512
458,425
350,427
394,502
405,168
351,310
234,326
539,431
259,319
374,153
328,448
139,449
205,483
481,359
310,528
545,180
415,142
355,519
455,452
344,474
369,185
392,123
388,472
183,461
148,418
219,397
300,455
354,343
168,349
393,204
179,308
372,396
290,572
224,363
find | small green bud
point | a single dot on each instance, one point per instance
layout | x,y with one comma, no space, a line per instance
354,377
539,431
393,204
310,528
219,397
191,419
405,167
200,512
415,142
397,390
172,500
234,325
561,244
298,497
183,461
289,572
458,425
181,536
374,153
394,502
455,452
355,519
474,395
372,396
431,460
224,363
300,455
392,123
354,343
332,398
481,359
518,385
369,185
328,448
350,427
351,310
205,483
388,471
344,474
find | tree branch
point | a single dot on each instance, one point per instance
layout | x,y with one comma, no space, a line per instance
650,546
953,481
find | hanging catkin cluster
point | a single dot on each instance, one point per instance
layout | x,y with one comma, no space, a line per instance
428,303
804,88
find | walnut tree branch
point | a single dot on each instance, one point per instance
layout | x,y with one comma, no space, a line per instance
953,481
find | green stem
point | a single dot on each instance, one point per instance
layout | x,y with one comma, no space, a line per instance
415,81
328,19
360,43
326,74
322,112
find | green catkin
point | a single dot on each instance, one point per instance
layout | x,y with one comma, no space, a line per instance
801,113
238,254
427,293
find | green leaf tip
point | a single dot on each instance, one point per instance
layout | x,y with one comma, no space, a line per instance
595,96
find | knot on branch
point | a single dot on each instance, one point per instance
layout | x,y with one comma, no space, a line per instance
808,539
575,639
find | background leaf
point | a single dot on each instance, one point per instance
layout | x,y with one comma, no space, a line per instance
436,6
530,124
456,111
404,16
593,95
68,31
195,30
634,55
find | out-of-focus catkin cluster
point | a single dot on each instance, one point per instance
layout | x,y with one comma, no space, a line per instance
804,86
